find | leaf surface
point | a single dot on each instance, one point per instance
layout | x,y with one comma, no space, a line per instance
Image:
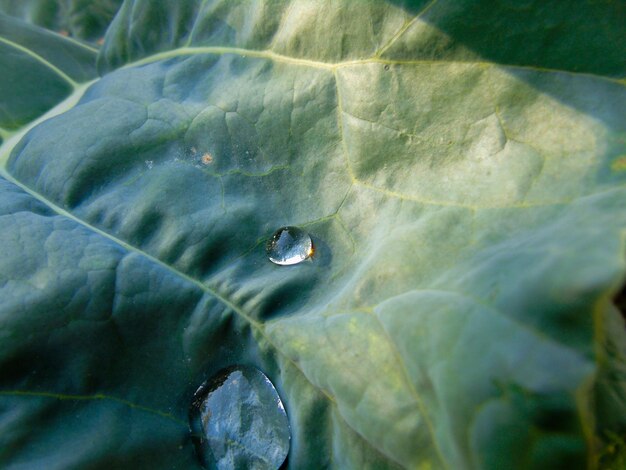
85,20
40,69
466,204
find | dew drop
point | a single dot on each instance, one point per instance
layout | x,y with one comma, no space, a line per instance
149,164
238,421
289,245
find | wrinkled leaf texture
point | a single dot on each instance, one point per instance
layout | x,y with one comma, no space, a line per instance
459,164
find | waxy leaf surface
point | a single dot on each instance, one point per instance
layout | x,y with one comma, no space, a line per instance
460,167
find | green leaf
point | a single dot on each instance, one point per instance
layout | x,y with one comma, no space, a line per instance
463,184
548,34
82,19
40,69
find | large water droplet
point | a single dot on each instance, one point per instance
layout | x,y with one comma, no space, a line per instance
289,245
238,421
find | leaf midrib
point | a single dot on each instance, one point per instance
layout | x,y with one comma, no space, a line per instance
333,66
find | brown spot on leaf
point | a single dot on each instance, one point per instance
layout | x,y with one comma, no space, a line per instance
207,159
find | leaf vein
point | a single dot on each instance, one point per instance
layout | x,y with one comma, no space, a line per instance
41,60
95,397
404,28
333,66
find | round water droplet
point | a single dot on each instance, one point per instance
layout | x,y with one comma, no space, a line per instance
289,245
238,421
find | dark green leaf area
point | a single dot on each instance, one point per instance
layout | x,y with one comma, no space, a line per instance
70,57
528,421
83,19
550,34
104,348
101,349
39,69
21,99
38,12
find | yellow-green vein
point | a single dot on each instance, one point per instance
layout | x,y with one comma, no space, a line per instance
41,60
95,397
403,29
333,66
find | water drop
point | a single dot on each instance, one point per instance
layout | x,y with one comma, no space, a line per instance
238,421
289,245
149,164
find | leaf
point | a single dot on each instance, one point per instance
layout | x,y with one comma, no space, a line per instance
465,198
82,19
40,69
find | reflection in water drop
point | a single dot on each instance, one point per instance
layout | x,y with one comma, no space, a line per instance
238,421
289,245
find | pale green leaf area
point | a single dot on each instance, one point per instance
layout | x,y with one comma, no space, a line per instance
460,167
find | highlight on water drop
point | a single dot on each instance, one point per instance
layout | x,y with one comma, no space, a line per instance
289,245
